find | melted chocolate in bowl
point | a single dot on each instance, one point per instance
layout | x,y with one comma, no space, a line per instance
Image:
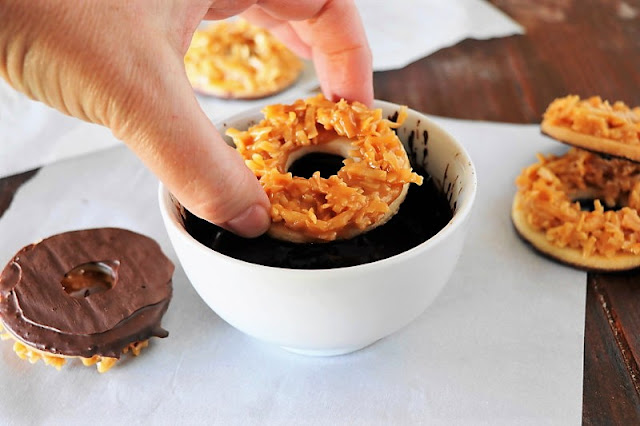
423,214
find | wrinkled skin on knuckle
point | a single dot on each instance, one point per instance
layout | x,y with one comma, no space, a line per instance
90,60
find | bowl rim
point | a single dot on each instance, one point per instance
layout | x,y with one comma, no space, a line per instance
463,210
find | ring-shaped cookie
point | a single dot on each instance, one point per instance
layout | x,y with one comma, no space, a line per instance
365,193
546,210
237,60
51,322
595,125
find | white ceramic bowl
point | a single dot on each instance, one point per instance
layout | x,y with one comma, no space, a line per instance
336,311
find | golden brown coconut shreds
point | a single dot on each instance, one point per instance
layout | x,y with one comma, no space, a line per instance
595,125
365,192
546,211
237,60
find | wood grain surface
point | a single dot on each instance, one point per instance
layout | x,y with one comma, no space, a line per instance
9,186
584,47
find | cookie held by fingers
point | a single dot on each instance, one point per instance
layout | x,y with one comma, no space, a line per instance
595,125
92,294
237,60
365,193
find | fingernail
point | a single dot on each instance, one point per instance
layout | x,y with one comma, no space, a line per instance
251,223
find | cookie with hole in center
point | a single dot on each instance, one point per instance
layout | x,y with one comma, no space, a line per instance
92,294
237,60
551,212
363,194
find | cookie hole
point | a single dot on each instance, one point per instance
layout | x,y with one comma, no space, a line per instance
327,164
90,278
586,205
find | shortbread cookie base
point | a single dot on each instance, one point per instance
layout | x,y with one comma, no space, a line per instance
567,255
591,143
241,95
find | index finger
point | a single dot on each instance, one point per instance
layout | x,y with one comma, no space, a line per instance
339,48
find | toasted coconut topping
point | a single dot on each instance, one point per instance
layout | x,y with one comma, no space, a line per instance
596,117
551,188
237,59
102,363
324,209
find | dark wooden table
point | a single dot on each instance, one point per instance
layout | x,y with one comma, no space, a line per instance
585,47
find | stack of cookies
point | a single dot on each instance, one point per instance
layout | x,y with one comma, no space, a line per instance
581,208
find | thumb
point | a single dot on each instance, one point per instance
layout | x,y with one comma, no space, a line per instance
168,130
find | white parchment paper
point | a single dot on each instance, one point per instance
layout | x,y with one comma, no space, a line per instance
501,345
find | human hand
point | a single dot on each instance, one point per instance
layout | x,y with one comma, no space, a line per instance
120,64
